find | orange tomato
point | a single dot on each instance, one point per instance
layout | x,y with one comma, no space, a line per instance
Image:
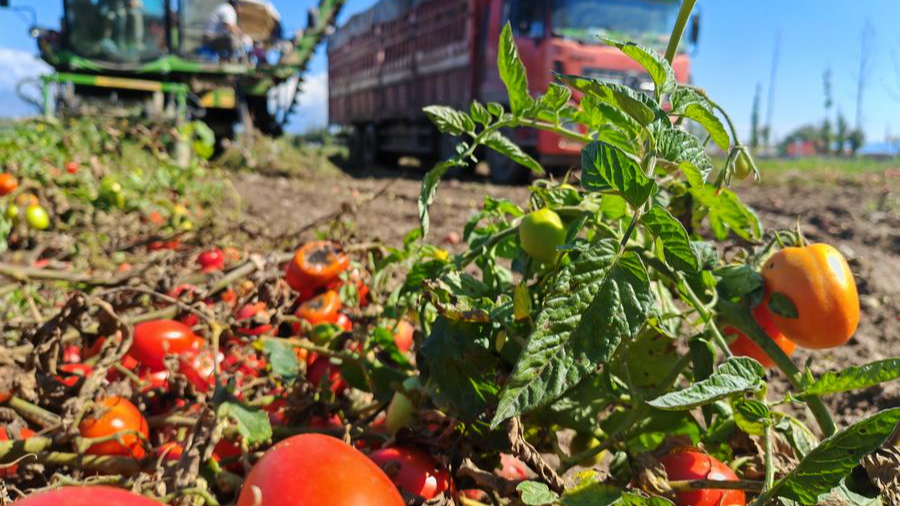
817,281
315,265
743,346
119,415
8,184
321,309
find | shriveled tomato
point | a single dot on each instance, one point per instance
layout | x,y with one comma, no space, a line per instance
321,309
72,167
743,346
403,335
413,470
211,260
334,474
327,375
687,464
252,318
315,265
512,468
86,496
71,354
540,233
5,432
817,282
199,367
155,339
118,415
8,184
73,373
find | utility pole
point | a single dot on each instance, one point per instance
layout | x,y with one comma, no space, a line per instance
770,105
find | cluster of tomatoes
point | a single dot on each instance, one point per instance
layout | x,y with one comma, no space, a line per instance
35,214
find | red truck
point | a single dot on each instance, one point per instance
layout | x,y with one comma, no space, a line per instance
387,63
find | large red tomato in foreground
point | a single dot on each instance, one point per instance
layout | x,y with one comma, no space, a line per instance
86,496
413,470
317,470
155,339
119,415
693,465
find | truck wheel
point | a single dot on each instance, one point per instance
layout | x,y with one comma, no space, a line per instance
362,147
369,147
505,171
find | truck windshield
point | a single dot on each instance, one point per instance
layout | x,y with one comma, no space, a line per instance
121,31
648,21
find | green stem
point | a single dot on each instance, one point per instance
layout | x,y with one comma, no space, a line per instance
549,127
635,218
34,413
683,16
739,316
770,465
688,485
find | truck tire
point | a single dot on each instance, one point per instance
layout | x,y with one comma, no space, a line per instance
505,171
362,147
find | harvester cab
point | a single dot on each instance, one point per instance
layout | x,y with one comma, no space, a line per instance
156,58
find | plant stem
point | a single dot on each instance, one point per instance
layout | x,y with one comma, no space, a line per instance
683,16
739,316
770,465
688,485
34,413
635,218
548,127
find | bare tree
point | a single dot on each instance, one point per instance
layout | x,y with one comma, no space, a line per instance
865,58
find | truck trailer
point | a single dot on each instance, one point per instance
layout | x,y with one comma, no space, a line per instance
388,62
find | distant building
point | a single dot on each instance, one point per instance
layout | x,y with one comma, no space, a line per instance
801,148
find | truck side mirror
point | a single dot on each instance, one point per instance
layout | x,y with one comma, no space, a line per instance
694,36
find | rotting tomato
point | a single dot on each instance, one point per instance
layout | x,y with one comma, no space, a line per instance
199,367
86,496
74,373
24,433
333,472
687,464
250,317
320,309
8,184
155,339
324,373
817,281
540,233
118,415
743,346
315,265
211,260
413,470
512,468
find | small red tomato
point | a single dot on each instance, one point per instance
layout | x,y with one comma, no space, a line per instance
344,322
72,354
153,380
117,415
199,367
403,335
327,375
252,314
24,433
72,167
333,474
8,184
413,470
512,468
211,260
155,339
686,464
320,422
74,373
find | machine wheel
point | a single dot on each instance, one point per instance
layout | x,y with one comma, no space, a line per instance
505,171
362,145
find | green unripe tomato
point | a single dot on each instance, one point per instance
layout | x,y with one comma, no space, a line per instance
400,413
742,166
12,212
540,233
37,217
583,442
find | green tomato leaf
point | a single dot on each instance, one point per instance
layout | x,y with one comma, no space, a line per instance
429,188
727,213
692,174
605,167
460,366
703,359
479,113
857,377
676,243
283,359
637,105
657,66
448,120
499,143
512,72
555,99
600,299
535,493
598,113
737,281
735,376
751,416
798,436
683,97
591,493
708,120
5,229
825,466
252,423
677,146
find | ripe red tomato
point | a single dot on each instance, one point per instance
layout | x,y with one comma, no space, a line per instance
321,309
323,373
344,322
413,470
315,265
72,167
154,340
120,415
403,335
71,354
86,496
8,184
688,464
334,474
199,367
743,346
5,396
512,468
211,260
24,433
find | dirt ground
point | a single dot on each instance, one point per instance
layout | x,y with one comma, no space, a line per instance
860,215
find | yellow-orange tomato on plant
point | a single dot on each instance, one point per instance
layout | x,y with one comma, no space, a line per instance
817,281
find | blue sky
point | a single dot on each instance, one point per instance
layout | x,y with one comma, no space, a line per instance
734,55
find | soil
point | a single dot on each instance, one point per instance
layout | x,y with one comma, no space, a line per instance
859,215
